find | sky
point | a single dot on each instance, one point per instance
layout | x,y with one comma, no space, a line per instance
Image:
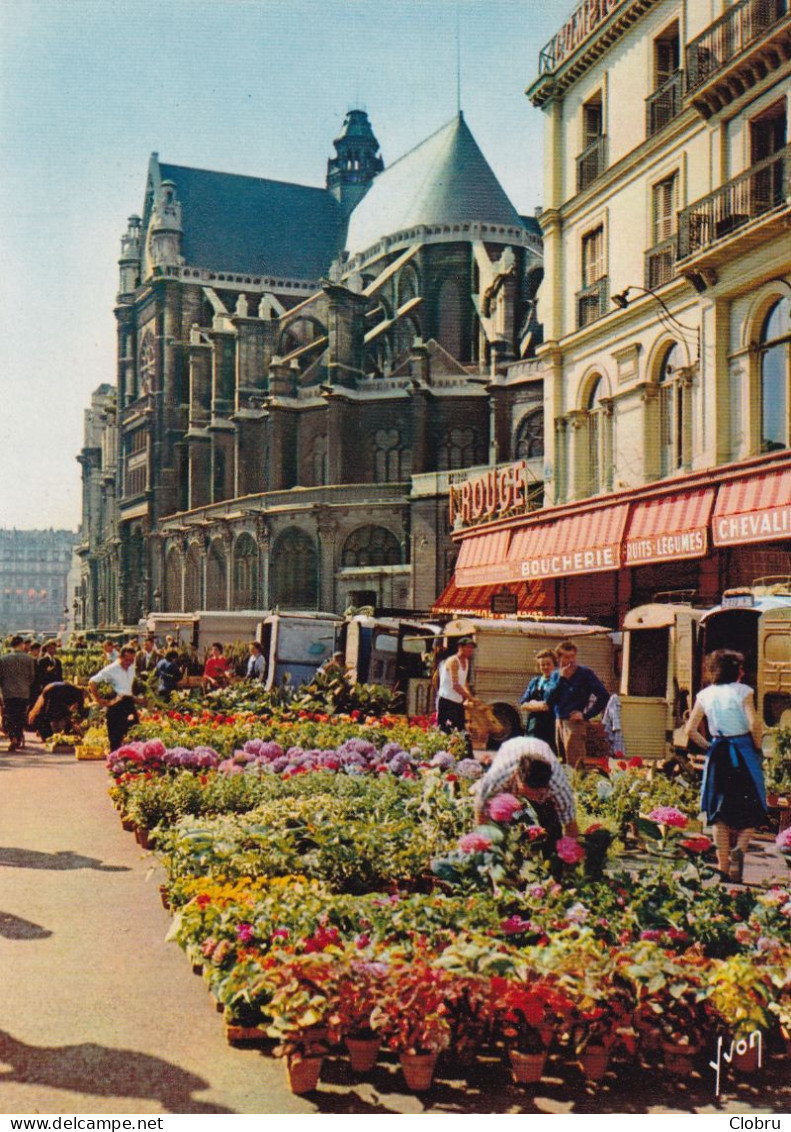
90,88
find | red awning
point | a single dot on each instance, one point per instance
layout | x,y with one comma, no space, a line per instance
483,559
669,528
478,599
754,510
585,543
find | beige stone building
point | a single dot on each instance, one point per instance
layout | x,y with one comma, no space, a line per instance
667,339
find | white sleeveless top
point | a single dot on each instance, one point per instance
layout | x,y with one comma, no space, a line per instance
724,708
446,690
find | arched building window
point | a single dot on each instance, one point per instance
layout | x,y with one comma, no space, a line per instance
530,436
392,460
775,353
216,576
193,598
245,573
371,546
596,460
671,412
147,365
459,448
294,578
173,581
404,333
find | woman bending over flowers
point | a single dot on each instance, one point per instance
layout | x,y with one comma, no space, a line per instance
732,794
527,768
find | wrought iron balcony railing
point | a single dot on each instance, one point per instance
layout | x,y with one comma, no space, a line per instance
591,163
763,188
660,264
727,37
663,105
592,301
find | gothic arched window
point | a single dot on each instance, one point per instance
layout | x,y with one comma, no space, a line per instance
245,573
192,580
173,581
459,448
216,576
775,377
294,571
147,368
371,546
530,436
392,460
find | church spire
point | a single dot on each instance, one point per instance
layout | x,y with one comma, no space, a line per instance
356,162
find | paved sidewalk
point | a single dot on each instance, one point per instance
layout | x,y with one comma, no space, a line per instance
99,1015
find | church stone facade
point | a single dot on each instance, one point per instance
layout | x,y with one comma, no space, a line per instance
300,372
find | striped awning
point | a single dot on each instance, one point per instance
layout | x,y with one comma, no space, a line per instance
483,559
586,543
477,600
757,509
669,528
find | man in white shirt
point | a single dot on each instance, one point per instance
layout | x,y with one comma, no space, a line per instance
121,709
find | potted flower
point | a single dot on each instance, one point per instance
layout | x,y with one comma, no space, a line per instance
740,992
412,1016
303,993
523,1015
350,1020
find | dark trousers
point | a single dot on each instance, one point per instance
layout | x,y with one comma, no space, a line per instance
120,718
450,716
15,718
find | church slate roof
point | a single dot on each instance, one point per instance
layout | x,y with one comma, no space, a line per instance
444,180
251,225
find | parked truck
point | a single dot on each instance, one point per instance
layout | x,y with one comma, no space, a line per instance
393,652
660,676
297,644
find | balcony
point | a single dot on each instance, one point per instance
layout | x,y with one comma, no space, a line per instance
592,302
663,105
591,163
739,49
753,207
660,264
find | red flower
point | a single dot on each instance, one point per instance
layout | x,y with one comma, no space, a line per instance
635,762
696,844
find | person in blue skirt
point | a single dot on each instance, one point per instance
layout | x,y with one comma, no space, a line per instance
733,795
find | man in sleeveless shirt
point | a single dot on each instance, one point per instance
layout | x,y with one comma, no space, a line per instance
453,689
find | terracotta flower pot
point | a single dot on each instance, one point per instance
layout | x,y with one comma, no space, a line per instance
418,1070
594,1061
527,1068
363,1052
679,1060
303,1075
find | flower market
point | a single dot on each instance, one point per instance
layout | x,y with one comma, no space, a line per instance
313,862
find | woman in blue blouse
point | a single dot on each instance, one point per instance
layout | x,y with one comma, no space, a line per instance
541,719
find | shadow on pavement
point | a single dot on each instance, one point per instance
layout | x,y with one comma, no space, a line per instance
14,927
63,859
97,1070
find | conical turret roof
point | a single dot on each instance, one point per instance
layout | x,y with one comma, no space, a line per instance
444,180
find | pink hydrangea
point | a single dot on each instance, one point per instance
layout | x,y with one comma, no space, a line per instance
669,815
569,850
474,843
503,807
783,840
